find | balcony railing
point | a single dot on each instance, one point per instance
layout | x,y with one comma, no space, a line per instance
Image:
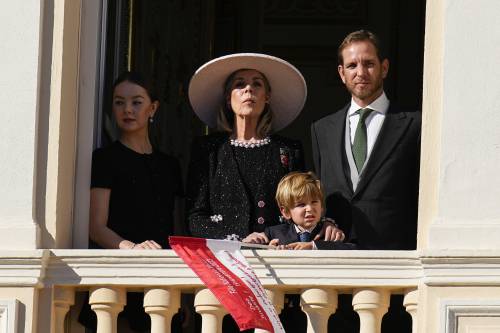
41,284
318,276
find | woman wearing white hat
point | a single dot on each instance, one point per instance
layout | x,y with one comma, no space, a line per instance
233,174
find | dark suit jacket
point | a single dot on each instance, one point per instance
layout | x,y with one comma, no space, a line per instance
287,234
215,186
382,212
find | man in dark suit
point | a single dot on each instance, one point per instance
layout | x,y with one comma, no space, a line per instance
367,154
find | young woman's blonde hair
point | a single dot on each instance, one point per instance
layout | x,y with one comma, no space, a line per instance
225,116
297,186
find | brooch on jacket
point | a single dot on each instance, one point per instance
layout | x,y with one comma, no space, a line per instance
285,157
233,237
216,218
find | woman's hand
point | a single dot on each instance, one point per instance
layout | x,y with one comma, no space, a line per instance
330,231
256,238
276,243
146,245
292,246
299,246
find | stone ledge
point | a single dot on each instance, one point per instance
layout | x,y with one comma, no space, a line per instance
345,270
23,268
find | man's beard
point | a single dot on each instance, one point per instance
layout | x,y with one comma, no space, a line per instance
369,91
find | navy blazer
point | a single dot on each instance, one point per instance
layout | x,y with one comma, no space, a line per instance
382,212
287,234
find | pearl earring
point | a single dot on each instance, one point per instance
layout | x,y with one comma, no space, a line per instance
151,120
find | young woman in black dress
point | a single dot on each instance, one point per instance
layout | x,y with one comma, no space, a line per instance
133,185
133,188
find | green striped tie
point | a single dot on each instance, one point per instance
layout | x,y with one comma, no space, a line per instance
359,144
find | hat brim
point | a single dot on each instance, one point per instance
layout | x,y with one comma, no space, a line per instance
288,87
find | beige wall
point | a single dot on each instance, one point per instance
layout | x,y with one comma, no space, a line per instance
459,189
431,120
62,125
461,141
20,39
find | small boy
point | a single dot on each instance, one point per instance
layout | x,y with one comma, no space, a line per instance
300,198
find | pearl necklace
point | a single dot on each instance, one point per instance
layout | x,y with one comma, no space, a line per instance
251,143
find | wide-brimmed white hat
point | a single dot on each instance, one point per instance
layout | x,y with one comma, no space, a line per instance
288,87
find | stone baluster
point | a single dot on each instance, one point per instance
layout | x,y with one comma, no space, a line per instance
211,311
371,305
63,299
277,297
161,304
410,302
107,303
318,304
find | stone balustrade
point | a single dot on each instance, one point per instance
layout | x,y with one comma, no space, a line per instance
317,276
324,280
162,303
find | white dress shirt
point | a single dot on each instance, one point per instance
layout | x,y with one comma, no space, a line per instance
373,122
301,229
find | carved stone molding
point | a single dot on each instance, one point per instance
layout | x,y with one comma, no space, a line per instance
23,268
456,315
8,315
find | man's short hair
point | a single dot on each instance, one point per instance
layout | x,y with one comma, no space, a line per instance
360,36
297,186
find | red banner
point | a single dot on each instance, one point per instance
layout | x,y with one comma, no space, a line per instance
224,270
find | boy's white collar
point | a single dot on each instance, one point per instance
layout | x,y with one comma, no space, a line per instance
299,229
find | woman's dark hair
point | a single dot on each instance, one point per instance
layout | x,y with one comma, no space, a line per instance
140,80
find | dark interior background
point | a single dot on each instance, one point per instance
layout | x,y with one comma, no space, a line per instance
169,39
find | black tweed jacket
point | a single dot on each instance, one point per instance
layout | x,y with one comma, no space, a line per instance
218,204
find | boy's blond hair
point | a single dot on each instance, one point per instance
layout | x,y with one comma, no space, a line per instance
297,186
